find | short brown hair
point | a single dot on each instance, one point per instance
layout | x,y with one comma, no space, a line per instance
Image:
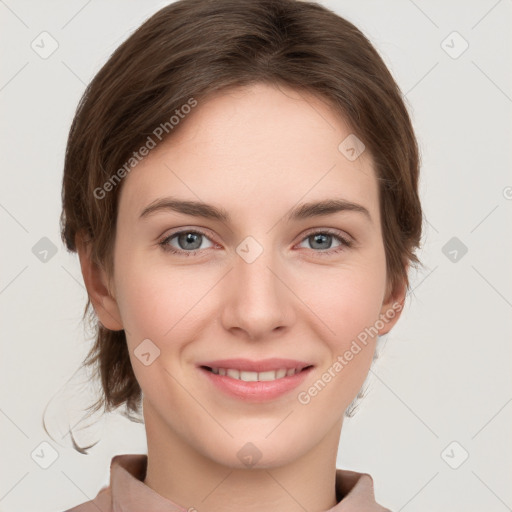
192,48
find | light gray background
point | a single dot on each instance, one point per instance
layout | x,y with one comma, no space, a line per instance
445,370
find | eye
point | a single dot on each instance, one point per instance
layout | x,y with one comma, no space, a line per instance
322,239
189,242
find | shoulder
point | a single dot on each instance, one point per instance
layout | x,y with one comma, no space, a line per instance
101,503
126,471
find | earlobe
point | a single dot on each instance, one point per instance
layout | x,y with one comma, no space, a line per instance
96,282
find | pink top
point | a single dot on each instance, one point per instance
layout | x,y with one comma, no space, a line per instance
127,491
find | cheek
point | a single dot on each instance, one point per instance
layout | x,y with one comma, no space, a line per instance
349,312
155,302
349,306
347,300
357,309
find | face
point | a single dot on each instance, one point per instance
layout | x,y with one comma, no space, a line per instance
261,282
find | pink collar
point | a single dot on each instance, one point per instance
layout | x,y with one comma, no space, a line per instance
128,493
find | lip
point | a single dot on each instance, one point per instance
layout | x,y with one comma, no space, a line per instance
263,365
260,391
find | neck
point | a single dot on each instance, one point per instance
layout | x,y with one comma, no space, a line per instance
179,472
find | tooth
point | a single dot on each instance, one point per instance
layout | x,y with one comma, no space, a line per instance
270,375
235,374
249,376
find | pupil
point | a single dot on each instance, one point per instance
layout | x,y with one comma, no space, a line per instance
319,238
190,238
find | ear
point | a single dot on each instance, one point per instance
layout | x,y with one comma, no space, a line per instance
98,289
392,306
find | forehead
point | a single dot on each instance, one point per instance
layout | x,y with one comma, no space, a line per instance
253,146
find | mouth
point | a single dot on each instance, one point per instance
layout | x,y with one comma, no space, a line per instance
250,376
255,381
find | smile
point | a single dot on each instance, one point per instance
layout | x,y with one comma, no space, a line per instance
248,376
256,382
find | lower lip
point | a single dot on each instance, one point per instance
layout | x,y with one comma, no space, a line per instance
260,391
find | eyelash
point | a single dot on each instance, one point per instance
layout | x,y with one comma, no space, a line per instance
344,242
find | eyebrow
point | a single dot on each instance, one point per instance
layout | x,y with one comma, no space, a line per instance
208,211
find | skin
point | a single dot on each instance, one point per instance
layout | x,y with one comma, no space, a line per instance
257,152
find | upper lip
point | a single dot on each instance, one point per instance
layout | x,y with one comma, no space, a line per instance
263,365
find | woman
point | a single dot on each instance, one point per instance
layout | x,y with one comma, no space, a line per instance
270,136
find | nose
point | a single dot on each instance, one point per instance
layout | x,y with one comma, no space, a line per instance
259,303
